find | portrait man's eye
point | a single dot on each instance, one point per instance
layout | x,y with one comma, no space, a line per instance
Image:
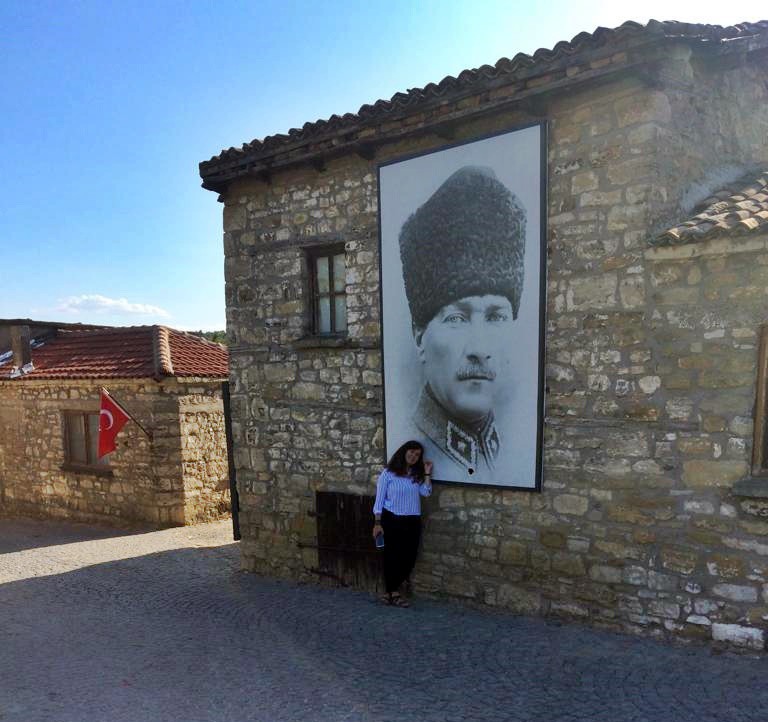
497,316
456,317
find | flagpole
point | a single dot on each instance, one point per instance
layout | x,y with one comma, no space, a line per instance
125,411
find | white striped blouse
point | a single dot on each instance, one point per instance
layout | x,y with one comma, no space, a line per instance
399,494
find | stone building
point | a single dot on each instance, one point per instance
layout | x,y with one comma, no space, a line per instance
171,382
653,512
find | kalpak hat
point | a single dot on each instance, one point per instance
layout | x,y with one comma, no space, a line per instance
468,239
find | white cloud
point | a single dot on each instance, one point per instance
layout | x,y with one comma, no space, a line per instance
89,303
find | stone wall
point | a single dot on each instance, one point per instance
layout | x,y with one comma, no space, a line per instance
650,368
159,482
203,455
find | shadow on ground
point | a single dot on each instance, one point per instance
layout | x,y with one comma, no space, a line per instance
17,534
184,635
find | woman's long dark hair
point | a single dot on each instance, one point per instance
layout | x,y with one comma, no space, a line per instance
398,465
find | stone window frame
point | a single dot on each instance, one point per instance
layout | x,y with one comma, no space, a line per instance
312,255
89,460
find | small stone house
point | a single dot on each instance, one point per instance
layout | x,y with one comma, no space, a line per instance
652,515
170,381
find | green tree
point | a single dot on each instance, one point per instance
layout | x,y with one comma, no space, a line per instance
215,336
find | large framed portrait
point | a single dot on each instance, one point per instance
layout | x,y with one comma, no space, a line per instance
463,264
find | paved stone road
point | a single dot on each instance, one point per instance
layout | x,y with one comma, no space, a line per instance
100,625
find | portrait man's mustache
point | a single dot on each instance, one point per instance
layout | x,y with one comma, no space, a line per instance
475,372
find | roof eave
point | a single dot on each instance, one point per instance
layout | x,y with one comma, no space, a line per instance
317,143
320,149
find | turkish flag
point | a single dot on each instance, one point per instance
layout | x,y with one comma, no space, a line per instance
112,418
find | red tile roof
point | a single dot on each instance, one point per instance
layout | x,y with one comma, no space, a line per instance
193,356
123,352
318,137
740,208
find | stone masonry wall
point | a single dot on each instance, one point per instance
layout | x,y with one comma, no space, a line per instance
204,454
716,126
650,373
146,482
33,450
304,417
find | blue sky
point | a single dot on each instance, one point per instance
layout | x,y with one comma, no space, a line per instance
108,107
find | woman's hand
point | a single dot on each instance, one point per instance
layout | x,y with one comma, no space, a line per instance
428,468
377,529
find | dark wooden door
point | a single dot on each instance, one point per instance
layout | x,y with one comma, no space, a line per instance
346,550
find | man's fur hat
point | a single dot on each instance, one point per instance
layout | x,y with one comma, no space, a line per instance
468,239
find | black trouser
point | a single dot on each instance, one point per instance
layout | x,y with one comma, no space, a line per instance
401,544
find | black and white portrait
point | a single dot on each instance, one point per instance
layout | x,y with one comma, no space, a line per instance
462,307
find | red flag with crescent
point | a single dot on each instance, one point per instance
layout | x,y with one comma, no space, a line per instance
112,418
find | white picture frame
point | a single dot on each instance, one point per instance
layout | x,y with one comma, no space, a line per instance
476,405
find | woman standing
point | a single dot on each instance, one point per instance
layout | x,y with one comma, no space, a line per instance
397,514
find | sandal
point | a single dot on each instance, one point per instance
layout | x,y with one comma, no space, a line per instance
395,600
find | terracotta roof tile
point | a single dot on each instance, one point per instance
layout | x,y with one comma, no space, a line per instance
218,169
740,208
193,356
123,352
162,351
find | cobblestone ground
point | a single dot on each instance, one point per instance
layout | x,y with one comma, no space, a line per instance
101,625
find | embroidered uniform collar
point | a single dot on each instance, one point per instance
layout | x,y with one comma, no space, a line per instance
466,445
